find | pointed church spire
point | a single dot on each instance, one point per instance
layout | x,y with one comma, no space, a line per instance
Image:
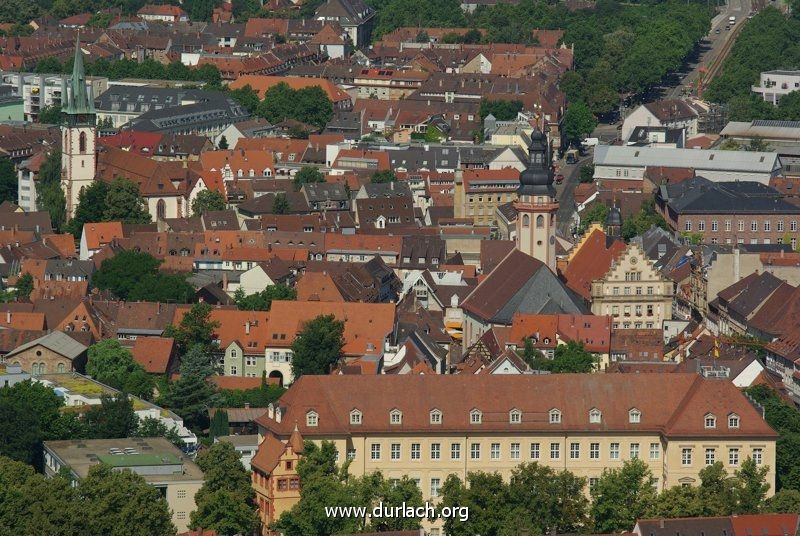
78,102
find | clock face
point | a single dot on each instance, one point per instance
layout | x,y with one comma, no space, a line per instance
634,260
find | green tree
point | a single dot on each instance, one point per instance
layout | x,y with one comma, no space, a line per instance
547,501
152,427
8,181
50,115
192,394
50,196
587,173
382,177
570,357
124,203
225,502
113,418
206,201
597,213
502,110
422,37
163,287
530,354
219,424
318,346
20,433
677,501
262,301
642,221
195,328
91,207
622,496
751,487
280,205
29,414
578,122
121,503
307,175
716,491
223,143
785,420
110,363
48,65
121,273
783,502
24,286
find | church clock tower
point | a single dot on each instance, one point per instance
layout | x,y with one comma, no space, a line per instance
78,134
536,204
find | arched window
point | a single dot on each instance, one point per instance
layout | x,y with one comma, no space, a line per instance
634,416
161,209
395,417
526,220
555,416
539,221
475,417
42,368
710,420
34,369
515,416
82,142
61,368
595,417
436,416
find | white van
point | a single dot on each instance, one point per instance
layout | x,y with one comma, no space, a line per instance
732,20
590,142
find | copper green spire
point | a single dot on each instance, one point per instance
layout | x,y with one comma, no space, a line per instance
79,102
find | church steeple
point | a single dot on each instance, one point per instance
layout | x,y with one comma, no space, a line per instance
78,134
536,204
79,105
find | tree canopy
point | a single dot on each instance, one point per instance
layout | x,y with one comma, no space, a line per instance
207,200
49,195
134,275
325,484
570,357
124,203
8,181
318,347
117,503
770,40
309,105
578,122
225,502
91,207
110,363
383,177
195,328
262,301
307,175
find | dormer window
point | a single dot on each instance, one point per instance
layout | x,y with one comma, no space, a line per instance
634,416
396,416
733,421
355,417
312,418
555,416
710,420
436,416
475,417
595,416
515,416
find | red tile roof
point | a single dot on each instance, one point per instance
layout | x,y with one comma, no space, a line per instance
677,412
261,84
153,353
591,259
365,329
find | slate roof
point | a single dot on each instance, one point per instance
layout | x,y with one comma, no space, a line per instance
699,195
57,341
521,284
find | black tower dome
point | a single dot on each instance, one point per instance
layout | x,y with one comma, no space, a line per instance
537,179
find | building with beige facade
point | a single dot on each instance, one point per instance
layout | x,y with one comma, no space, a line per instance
414,425
157,460
633,292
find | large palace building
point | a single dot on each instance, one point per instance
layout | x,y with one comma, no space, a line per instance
428,427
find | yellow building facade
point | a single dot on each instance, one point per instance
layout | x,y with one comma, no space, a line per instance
429,427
